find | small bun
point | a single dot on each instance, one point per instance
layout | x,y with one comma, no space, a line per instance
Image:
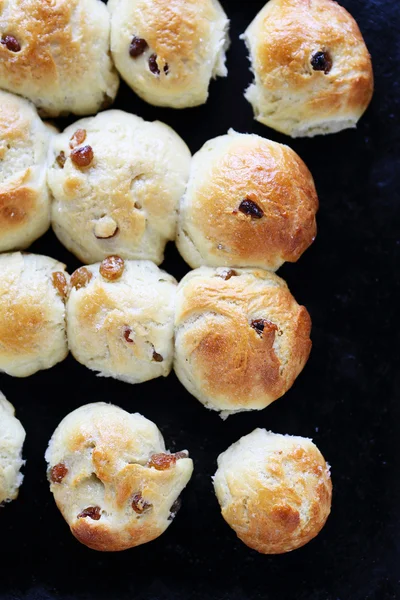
167,51
120,317
116,181
57,55
241,339
313,73
24,198
275,490
112,479
32,313
12,436
249,202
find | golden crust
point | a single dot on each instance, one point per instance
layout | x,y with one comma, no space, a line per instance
222,359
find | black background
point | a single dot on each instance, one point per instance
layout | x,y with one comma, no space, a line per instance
347,398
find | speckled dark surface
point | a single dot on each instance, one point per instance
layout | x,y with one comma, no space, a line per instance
347,398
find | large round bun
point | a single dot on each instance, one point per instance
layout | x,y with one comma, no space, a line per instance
112,479
57,55
249,202
24,197
313,73
120,317
12,436
116,181
275,490
168,50
241,339
32,313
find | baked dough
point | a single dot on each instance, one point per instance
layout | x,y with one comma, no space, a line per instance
12,436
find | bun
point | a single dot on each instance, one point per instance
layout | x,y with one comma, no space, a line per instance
241,339
313,73
12,436
275,490
167,52
112,479
249,202
116,181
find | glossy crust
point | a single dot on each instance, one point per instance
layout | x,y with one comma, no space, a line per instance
32,314
288,94
105,452
222,359
64,64
12,436
231,168
189,39
24,197
275,490
125,202
124,328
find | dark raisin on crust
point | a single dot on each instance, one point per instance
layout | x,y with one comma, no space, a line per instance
91,512
260,324
166,68
82,157
137,46
11,43
127,332
58,472
250,208
174,509
80,278
322,61
227,274
157,357
78,138
153,66
140,505
61,158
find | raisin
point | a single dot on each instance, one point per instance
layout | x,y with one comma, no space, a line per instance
80,278
137,46
112,268
161,462
260,324
157,357
321,61
153,66
166,68
127,333
11,43
227,274
60,283
78,138
58,473
139,505
173,511
82,157
60,160
91,512
248,207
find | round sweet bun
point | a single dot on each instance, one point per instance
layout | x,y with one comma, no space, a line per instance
241,339
112,479
168,50
274,490
120,317
33,289
24,197
116,181
12,436
312,71
249,202
57,55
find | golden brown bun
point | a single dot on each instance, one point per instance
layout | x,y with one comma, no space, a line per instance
231,172
275,490
101,463
241,339
291,95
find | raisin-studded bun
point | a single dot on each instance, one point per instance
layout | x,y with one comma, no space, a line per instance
12,436
24,198
120,317
275,490
112,479
168,50
57,55
116,181
241,339
33,289
249,202
312,70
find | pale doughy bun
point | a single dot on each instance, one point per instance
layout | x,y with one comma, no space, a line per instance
116,181
120,317
12,436
241,339
312,70
112,479
32,313
168,50
275,490
249,202
24,197
57,54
